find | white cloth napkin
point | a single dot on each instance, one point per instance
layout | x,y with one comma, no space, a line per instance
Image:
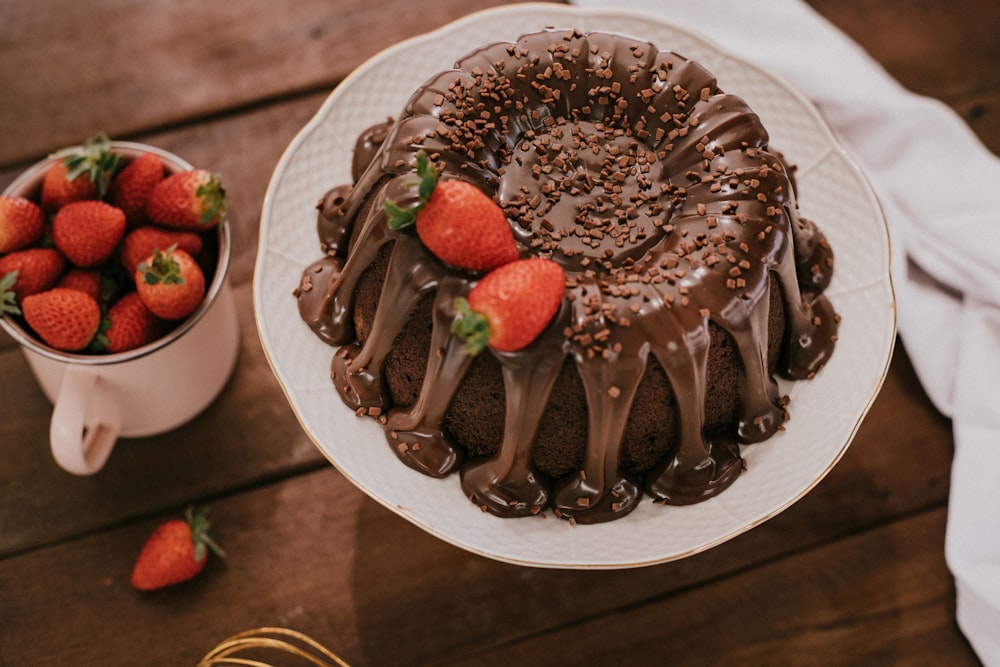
938,187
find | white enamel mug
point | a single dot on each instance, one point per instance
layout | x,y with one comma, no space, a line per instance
142,392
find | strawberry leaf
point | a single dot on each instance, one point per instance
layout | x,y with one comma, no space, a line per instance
163,269
9,304
400,217
95,159
470,326
213,200
428,176
203,542
101,342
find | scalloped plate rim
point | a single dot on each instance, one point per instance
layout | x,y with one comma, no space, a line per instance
501,549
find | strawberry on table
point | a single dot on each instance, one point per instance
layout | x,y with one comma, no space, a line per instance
176,551
34,270
84,173
140,244
128,324
193,199
66,319
510,306
170,283
457,222
21,223
131,187
87,232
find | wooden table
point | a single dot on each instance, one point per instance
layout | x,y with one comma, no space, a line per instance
853,574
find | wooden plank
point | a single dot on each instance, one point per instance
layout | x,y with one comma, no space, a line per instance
982,113
923,45
180,624
313,554
208,59
875,599
202,59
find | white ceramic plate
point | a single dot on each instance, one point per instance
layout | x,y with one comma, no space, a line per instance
826,412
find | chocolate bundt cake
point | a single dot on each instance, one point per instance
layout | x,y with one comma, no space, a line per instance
691,280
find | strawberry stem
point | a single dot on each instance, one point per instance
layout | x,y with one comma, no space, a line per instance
400,217
163,269
203,542
95,159
470,326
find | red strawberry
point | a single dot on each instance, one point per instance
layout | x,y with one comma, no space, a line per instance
83,173
58,189
87,281
511,305
131,188
457,222
66,319
175,552
129,324
170,283
88,232
38,269
140,244
21,223
192,199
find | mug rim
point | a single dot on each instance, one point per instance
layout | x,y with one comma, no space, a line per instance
31,176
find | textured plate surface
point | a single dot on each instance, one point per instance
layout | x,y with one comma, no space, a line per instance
826,412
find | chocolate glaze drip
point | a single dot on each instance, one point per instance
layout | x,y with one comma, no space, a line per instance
658,195
367,146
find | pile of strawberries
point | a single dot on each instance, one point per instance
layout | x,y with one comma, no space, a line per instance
110,254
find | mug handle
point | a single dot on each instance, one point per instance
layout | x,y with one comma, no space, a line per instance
85,424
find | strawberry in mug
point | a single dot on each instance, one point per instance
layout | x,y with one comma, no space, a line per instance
100,354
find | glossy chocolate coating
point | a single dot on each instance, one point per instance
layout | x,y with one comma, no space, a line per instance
658,195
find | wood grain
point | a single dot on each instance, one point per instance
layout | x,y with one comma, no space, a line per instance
789,611
852,574
160,63
947,51
337,578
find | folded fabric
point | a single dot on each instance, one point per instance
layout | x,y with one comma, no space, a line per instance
936,183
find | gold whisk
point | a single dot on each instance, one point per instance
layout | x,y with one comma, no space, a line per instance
274,639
